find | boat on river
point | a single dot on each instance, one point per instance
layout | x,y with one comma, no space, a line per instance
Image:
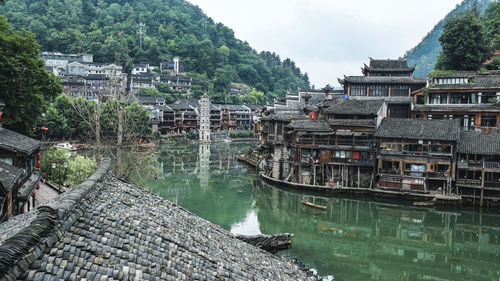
423,203
307,203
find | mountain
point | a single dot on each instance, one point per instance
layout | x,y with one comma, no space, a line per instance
425,54
109,30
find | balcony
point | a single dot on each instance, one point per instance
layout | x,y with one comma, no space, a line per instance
477,183
479,165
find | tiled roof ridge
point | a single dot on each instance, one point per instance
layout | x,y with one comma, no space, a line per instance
49,225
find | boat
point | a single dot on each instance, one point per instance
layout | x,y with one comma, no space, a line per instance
307,203
423,203
65,145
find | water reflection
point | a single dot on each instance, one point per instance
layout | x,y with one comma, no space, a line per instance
352,240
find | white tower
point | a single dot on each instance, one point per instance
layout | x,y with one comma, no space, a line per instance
176,65
204,119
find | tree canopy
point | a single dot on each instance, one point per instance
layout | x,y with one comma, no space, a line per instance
464,42
106,28
25,87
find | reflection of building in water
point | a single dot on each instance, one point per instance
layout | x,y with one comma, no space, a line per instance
375,241
204,164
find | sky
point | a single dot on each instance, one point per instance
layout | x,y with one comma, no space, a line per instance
329,38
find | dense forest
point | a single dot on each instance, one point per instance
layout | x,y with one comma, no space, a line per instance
108,29
425,54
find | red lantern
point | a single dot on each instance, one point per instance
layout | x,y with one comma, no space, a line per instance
34,194
38,156
38,186
45,129
38,165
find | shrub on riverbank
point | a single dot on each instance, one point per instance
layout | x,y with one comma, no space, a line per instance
63,169
243,134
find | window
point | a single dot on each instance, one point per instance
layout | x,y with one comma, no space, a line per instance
358,90
379,90
399,91
488,121
485,97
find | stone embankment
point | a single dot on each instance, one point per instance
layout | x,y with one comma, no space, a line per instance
107,229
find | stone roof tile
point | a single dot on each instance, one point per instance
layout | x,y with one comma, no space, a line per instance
115,230
354,107
15,142
479,143
419,129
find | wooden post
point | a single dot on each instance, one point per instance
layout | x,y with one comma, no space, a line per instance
358,178
482,185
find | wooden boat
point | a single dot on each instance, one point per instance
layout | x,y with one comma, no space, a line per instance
423,203
307,203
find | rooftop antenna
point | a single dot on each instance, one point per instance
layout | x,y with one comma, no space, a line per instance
140,26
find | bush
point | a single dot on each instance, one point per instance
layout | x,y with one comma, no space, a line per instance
78,168
243,134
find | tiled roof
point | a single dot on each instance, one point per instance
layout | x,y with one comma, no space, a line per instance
384,80
479,143
179,106
419,129
388,64
352,122
454,74
29,186
310,125
15,142
479,82
9,175
118,231
354,107
388,100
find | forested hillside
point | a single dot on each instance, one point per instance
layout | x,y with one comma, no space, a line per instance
425,54
108,29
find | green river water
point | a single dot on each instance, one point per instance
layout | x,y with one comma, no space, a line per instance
354,239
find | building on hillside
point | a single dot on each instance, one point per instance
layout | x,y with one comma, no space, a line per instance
147,101
139,81
478,167
461,95
18,152
56,59
417,155
173,66
238,89
178,83
141,69
204,119
385,79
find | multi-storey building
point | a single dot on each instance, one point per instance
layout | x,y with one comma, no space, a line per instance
466,96
19,156
417,155
478,167
385,79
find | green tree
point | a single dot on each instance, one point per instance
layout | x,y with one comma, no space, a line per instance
25,86
464,43
491,20
56,123
79,169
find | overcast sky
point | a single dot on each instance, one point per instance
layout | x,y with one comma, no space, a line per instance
329,38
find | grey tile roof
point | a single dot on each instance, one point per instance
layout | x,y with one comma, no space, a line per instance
117,231
352,122
389,64
9,175
419,129
454,74
29,186
480,81
15,142
179,106
354,107
384,80
310,125
479,143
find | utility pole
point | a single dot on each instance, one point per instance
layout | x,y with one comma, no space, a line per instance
140,26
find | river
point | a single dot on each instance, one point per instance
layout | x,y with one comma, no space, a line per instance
354,239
